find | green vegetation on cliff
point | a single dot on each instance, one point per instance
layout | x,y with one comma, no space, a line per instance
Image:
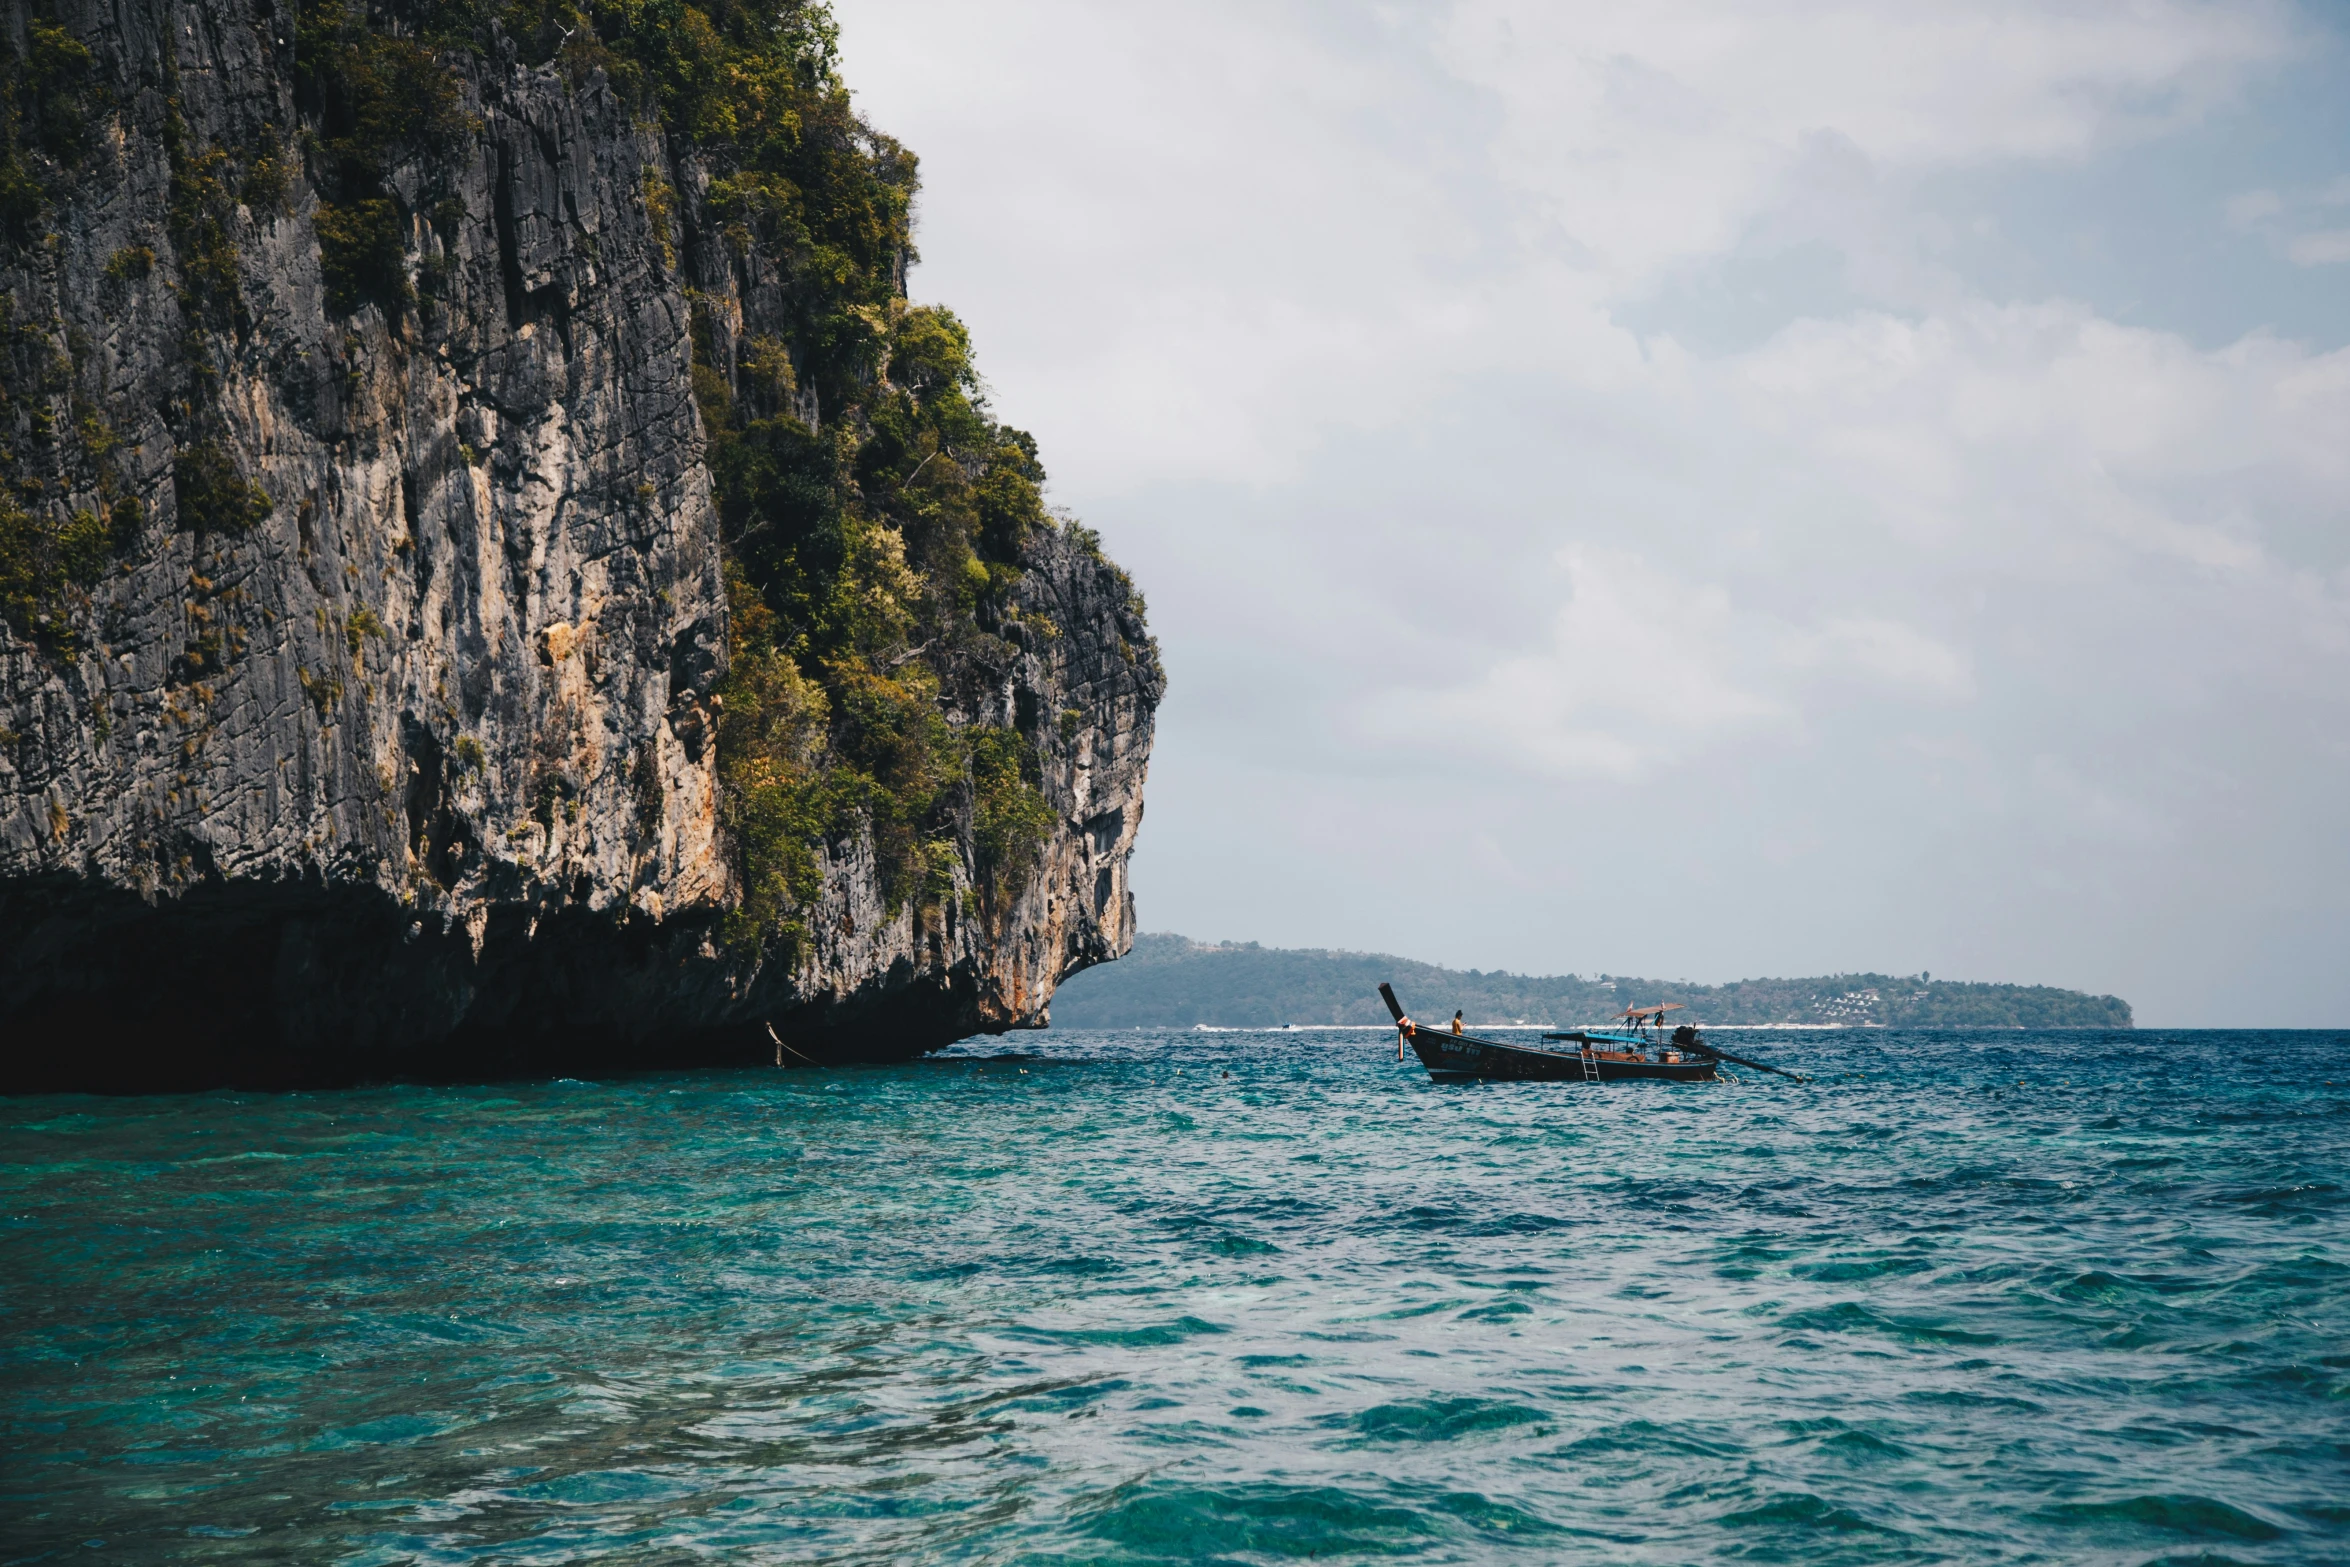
374,98
49,110
50,556
873,511
870,502
1168,981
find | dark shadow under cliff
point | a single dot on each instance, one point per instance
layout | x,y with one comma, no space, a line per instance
290,987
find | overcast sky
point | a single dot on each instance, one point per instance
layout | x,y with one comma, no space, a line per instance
1695,490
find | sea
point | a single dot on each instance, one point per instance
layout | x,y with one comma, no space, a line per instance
1160,1297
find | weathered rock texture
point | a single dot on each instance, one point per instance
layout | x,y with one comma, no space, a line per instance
417,773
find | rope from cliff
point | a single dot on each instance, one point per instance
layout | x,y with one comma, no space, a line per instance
780,1047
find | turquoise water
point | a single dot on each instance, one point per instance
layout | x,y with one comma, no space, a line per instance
1088,1298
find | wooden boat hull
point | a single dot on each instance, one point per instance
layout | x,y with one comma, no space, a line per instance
1450,1055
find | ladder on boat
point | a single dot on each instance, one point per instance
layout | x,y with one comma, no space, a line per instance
1590,1065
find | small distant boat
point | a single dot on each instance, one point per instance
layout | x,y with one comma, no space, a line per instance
1574,1056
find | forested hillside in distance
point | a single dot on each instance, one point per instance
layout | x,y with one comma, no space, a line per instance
1170,981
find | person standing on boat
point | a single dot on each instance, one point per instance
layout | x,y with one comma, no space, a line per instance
1456,1022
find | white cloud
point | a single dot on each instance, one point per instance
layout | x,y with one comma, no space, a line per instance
1655,132
1640,667
1268,225
2284,219
2046,439
2248,209
1316,311
1194,239
2325,248
1643,666
1887,653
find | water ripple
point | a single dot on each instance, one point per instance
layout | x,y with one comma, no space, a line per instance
1967,1299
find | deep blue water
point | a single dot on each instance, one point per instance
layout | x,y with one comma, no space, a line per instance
1087,1298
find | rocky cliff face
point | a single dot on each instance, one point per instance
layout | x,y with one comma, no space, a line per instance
362,692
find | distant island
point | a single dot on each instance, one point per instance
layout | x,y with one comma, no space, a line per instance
1174,982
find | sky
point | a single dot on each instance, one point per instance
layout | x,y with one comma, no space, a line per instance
1695,490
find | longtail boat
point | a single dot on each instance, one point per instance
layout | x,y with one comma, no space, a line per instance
1572,1056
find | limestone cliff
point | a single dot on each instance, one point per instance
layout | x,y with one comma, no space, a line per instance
391,414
